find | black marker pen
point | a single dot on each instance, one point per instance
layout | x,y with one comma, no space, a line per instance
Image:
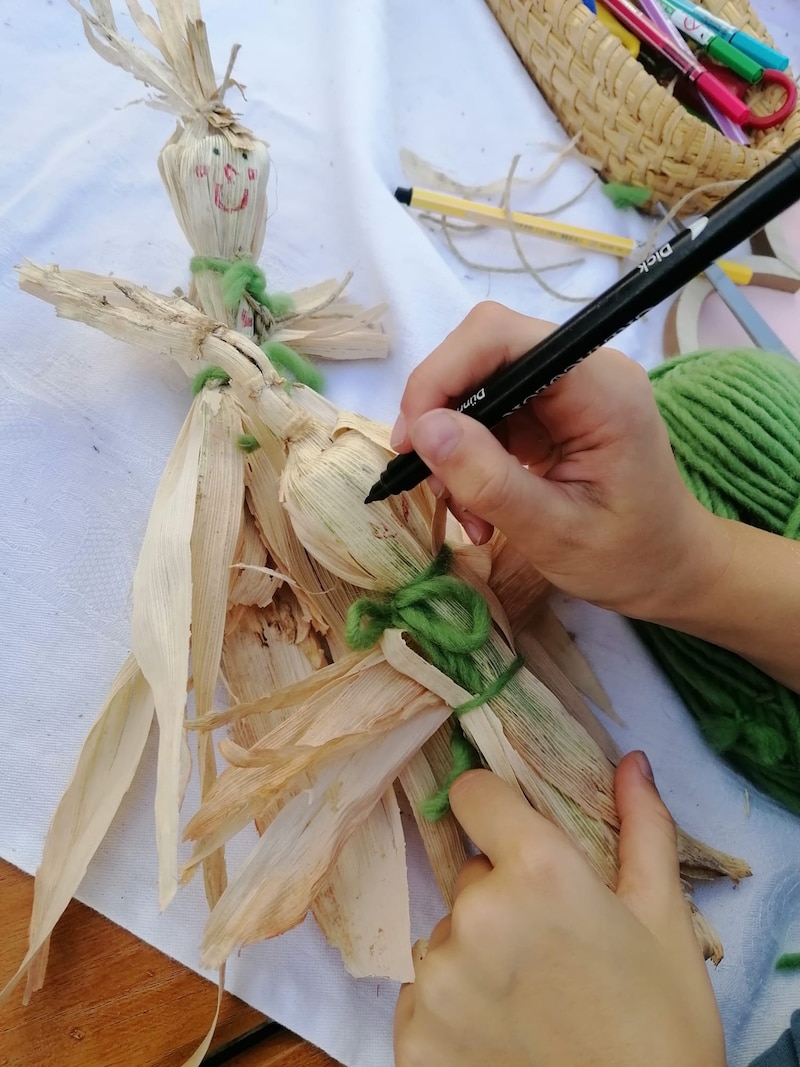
754,204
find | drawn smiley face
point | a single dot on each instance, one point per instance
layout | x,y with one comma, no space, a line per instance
232,173
214,180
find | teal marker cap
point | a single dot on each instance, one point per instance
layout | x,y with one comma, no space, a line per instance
732,58
760,52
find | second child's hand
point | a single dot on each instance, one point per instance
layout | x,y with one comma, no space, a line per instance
540,965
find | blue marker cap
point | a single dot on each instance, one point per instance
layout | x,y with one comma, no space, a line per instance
591,5
760,52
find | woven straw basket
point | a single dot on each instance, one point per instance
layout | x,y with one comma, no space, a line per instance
634,127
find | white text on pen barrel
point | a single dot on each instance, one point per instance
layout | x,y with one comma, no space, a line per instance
656,257
481,394
471,401
542,388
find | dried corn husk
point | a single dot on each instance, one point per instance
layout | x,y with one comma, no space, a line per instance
162,616
102,775
215,533
294,855
363,907
443,840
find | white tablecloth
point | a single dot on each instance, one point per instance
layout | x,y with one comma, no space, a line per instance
338,89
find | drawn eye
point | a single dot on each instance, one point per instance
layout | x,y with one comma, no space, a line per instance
215,151
251,173
244,155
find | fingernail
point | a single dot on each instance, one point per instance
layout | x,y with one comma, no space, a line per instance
436,435
476,531
419,950
399,432
436,486
644,766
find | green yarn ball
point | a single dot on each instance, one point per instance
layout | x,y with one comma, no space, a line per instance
733,418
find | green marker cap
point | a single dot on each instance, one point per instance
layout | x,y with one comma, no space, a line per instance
735,60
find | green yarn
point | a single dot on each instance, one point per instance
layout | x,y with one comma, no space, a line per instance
465,758
733,418
293,365
492,690
247,443
210,374
622,196
789,961
240,276
448,642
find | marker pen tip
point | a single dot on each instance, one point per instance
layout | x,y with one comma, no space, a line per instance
377,492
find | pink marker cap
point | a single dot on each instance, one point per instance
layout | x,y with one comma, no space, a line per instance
723,98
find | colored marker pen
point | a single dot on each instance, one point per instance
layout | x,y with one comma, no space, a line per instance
734,132
714,44
755,203
707,84
751,46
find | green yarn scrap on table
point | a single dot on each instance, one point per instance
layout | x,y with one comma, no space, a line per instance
733,418
622,196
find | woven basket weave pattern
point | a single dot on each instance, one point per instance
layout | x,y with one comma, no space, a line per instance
638,132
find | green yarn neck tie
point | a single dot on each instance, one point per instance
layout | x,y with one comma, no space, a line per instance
448,639
240,277
733,418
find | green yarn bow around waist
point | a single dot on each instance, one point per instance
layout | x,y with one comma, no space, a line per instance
449,621
417,608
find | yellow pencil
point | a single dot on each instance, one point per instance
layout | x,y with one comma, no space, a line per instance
486,215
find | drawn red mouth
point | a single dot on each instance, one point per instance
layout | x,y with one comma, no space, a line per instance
224,207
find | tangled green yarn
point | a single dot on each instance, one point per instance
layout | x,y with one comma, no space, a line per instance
448,639
413,607
240,276
733,418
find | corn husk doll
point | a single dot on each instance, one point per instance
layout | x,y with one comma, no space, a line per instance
345,634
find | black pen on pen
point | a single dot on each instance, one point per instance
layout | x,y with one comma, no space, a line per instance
755,203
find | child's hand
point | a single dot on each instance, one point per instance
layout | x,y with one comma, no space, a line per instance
540,965
601,509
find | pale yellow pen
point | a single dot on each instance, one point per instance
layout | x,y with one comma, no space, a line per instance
487,215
